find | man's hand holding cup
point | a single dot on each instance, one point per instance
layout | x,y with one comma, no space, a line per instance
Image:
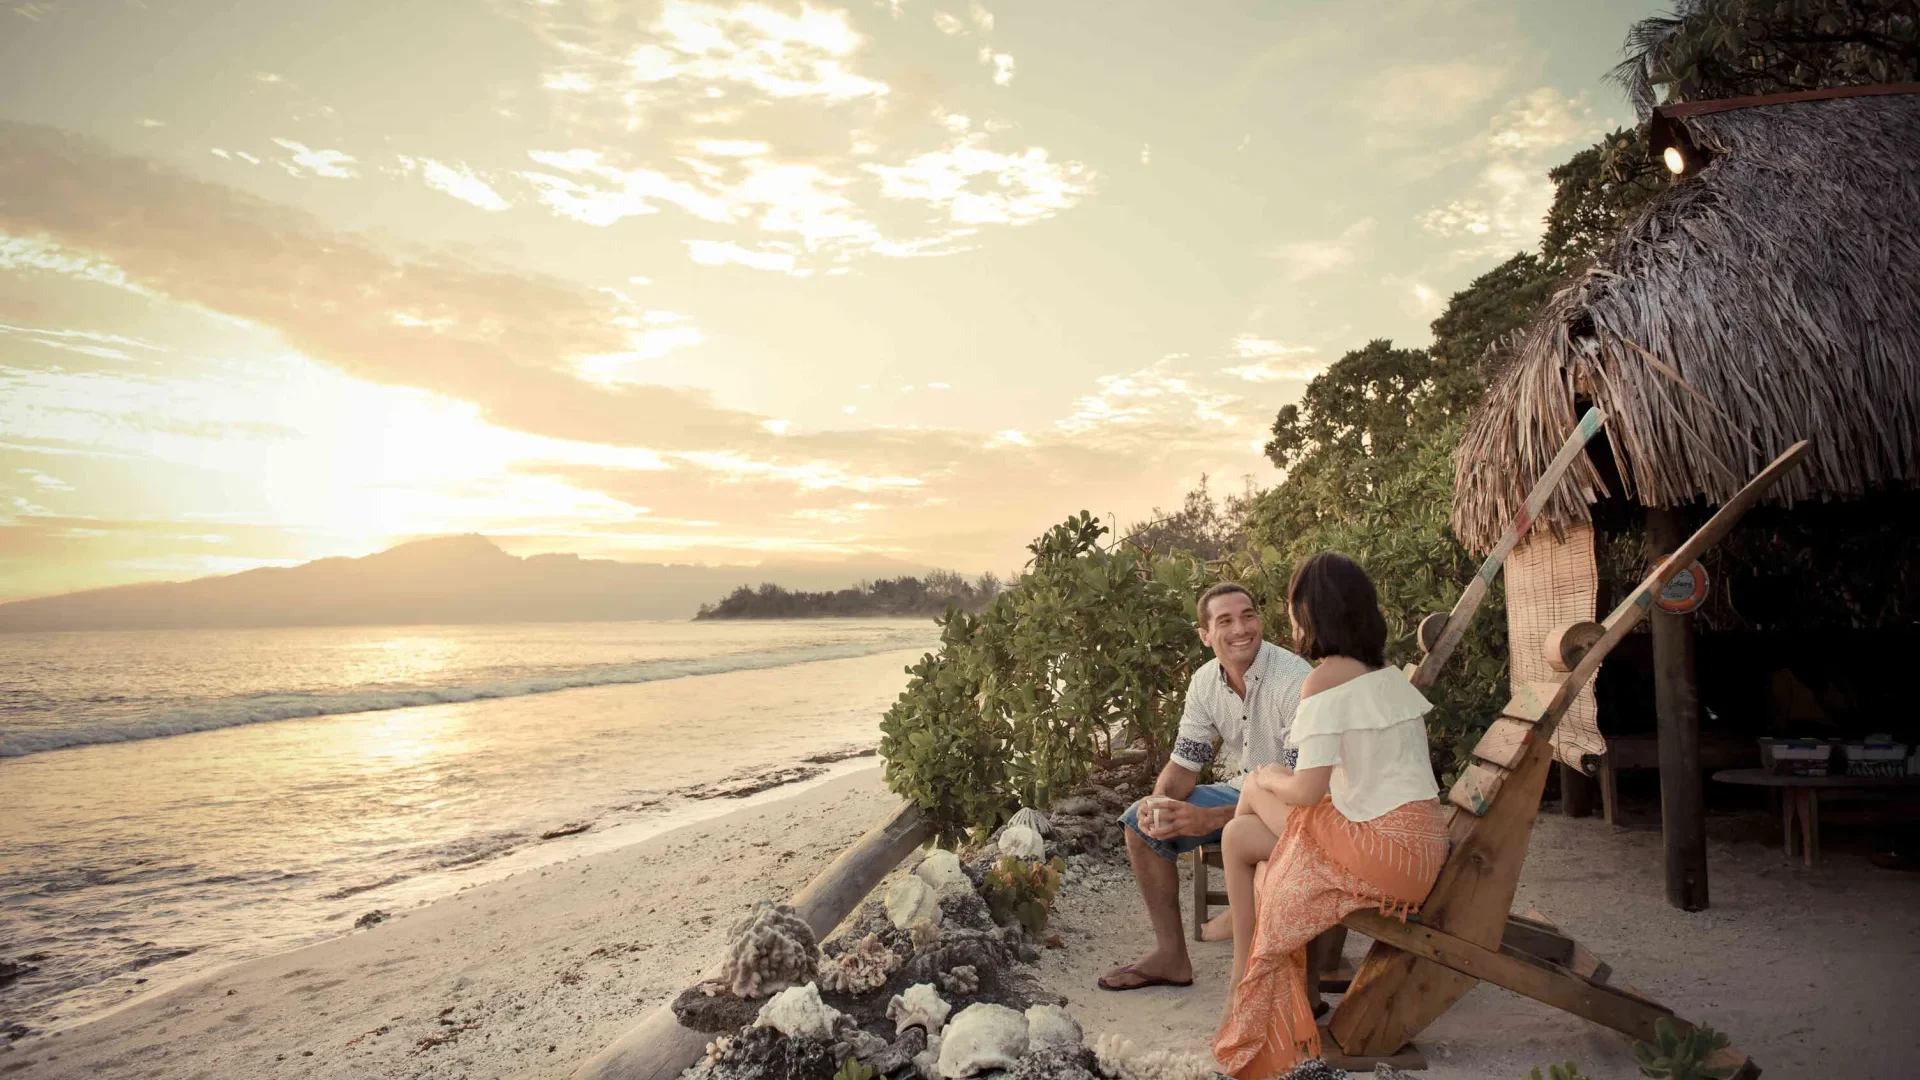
1163,818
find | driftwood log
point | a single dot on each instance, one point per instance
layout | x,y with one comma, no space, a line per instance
658,1048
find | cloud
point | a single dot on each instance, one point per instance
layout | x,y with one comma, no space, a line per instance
1271,361
1146,153
948,24
331,164
763,121
458,181
1505,210
1303,259
1432,96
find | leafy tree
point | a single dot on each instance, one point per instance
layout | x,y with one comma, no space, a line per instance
1738,48
903,597
1202,527
1595,193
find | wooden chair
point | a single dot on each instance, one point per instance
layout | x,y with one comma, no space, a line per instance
1465,932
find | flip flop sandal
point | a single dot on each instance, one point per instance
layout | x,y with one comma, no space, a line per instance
1146,980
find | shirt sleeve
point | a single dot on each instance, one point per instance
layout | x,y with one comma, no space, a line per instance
1318,750
1193,747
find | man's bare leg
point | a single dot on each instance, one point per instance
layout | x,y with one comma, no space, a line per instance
1159,881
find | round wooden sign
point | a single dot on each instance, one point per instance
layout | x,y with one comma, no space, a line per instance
1686,591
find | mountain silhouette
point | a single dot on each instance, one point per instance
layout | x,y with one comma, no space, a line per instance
448,579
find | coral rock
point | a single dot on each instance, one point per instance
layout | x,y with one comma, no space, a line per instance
920,1006
765,1054
924,935
798,1013
1057,1063
861,968
1119,1058
1032,819
1052,1027
769,950
941,869
982,1037
900,1054
1022,842
1078,806
1316,1069
912,900
961,980
927,1062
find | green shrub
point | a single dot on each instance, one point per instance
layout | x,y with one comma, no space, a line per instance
1567,1071
1674,1056
851,1069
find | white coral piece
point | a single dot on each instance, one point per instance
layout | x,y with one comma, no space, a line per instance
927,1061
924,934
1022,842
963,979
1119,1058
941,869
920,1006
861,968
769,950
984,1036
1033,819
798,1013
1051,1027
911,900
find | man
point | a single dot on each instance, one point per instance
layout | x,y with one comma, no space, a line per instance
1245,697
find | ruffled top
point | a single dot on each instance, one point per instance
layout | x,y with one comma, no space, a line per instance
1371,729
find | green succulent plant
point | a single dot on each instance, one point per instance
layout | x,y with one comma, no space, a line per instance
1673,1055
1566,1071
1023,891
851,1069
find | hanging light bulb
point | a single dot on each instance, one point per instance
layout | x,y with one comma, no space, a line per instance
1676,161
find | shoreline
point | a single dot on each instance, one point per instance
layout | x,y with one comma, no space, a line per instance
525,975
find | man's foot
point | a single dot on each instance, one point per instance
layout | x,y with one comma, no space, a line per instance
1218,928
1137,977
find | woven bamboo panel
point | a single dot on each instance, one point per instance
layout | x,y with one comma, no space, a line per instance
1549,583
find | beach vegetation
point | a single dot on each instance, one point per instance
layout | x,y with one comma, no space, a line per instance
1673,1055
852,1069
901,597
1019,890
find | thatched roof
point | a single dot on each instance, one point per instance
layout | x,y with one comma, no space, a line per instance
1772,296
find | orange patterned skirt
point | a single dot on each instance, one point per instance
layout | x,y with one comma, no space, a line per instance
1323,868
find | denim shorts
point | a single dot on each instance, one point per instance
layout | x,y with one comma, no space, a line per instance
1206,795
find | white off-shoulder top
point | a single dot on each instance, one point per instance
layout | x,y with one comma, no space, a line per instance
1371,730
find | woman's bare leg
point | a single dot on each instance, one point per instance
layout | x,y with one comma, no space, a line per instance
1267,806
1244,845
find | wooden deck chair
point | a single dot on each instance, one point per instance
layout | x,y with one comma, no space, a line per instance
1465,932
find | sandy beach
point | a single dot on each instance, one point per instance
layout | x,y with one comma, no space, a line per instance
1811,971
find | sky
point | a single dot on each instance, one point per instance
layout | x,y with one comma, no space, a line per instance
720,282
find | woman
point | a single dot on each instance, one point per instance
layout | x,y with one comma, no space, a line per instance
1354,824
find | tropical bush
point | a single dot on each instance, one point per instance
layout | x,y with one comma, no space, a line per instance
1023,892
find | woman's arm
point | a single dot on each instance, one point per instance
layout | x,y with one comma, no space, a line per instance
1303,787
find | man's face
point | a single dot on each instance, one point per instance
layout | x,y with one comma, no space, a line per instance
1232,629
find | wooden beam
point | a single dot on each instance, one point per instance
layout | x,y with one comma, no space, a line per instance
1506,739
1683,822
1540,941
1515,971
1567,643
1584,963
658,1048
1477,787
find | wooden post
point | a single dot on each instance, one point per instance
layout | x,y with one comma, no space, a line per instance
1683,822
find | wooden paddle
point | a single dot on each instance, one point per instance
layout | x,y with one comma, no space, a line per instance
1457,620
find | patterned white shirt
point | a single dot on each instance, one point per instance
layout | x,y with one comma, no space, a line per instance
1250,731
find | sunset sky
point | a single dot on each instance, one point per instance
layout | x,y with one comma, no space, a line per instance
719,282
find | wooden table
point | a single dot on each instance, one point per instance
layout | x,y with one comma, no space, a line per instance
1801,798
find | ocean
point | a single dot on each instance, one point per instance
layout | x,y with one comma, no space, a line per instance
175,801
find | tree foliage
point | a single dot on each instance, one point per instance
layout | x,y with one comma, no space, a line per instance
1203,527
902,597
1739,48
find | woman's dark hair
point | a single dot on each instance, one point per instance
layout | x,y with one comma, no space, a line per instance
1336,611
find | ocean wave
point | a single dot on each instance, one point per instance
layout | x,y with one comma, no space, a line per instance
264,708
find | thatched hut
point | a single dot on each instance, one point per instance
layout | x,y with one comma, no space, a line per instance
1771,293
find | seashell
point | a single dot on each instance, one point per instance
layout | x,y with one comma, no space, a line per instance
798,1013
941,869
912,900
920,1006
1022,842
982,1037
1052,1027
1032,819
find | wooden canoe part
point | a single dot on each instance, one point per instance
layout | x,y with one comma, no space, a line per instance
1476,590
1567,643
1504,742
658,1048
1634,607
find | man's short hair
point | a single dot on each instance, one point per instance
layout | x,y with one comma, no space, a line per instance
1225,588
